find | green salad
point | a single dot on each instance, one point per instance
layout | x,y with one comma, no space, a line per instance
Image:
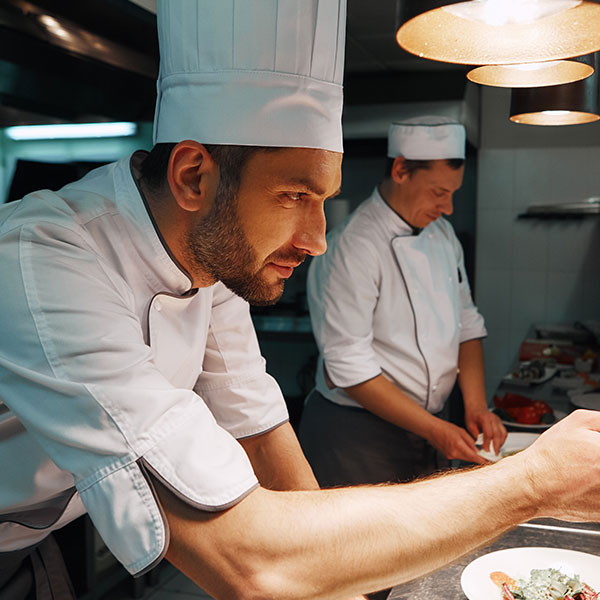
544,584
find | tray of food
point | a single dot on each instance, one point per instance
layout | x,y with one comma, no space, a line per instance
533,372
520,411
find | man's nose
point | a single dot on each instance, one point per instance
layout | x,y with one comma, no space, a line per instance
310,236
447,206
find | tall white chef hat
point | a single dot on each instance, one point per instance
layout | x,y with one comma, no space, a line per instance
251,72
427,138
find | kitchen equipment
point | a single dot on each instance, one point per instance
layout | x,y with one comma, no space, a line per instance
590,400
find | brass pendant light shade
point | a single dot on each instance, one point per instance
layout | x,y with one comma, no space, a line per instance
570,104
445,36
531,74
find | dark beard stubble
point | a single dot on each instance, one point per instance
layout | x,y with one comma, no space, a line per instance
218,246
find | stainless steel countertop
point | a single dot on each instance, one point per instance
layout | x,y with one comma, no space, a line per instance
585,537
445,583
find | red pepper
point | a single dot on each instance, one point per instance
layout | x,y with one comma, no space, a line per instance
508,595
541,407
511,400
522,409
526,415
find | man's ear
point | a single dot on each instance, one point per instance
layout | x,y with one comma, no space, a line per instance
193,176
399,172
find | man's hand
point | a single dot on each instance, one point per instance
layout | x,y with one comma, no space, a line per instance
563,468
453,441
487,423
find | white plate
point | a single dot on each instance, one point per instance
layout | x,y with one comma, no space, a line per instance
549,372
515,440
518,562
589,401
558,414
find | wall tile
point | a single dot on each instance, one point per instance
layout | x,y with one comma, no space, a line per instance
495,179
493,297
572,175
515,338
570,243
528,299
533,177
591,263
552,175
565,297
529,245
496,353
591,298
494,238
551,268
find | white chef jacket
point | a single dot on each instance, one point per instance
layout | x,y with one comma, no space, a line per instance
385,301
112,366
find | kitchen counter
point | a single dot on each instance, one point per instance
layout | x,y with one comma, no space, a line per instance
445,583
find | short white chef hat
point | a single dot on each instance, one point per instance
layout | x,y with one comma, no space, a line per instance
427,138
251,72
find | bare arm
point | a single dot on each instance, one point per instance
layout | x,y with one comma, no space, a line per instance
387,401
334,543
478,418
278,461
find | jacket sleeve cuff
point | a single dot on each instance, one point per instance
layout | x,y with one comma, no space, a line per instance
346,370
122,504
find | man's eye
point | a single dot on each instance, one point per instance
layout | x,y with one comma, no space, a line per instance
291,199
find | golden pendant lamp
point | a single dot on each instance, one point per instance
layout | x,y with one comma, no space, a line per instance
528,75
504,32
571,104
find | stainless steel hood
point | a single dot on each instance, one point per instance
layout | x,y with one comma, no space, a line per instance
580,208
76,61
87,60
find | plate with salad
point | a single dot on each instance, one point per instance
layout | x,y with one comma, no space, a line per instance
533,573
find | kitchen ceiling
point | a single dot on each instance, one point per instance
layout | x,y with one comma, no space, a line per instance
98,59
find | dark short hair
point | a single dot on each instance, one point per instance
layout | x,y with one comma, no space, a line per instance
415,165
231,161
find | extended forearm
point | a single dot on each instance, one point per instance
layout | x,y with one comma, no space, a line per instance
335,543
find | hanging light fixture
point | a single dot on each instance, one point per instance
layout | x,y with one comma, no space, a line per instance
540,74
570,104
504,32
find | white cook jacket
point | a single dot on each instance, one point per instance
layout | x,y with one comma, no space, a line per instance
111,365
385,301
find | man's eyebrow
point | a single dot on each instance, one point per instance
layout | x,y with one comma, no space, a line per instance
311,186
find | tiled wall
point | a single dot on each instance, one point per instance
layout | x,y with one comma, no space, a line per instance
531,270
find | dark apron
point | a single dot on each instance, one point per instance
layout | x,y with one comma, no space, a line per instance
348,445
351,446
35,573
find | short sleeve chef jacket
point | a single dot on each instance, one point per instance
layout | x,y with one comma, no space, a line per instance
112,366
385,301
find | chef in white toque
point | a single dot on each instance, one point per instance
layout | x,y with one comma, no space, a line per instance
395,324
